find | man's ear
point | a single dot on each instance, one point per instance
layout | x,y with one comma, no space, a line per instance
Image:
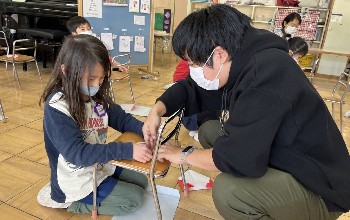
222,54
62,69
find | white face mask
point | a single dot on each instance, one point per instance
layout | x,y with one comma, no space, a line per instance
197,74
86,32
291,30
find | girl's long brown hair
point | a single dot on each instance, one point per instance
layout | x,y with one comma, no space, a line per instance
78,54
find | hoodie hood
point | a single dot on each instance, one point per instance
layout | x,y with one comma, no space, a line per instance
254,41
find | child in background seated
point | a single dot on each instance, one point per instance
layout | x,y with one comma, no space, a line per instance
78,111
297,47
79,25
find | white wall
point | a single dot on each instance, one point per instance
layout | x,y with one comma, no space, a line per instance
338,38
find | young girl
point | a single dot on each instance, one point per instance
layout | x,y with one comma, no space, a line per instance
77,113
297,47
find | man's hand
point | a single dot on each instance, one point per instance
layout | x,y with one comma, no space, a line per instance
170,152
151,125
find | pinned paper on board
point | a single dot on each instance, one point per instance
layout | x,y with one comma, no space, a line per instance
139,44
92,8
195,181
124,44
139,20
145,6
134,5
107,39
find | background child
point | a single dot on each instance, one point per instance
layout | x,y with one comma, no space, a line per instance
297,47
78,110
79,25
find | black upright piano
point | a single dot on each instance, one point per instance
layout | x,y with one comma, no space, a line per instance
42,20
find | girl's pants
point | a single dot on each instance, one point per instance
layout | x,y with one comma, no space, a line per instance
125,197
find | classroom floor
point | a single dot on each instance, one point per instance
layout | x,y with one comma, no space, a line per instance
24,165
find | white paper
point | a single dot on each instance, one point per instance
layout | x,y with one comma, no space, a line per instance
115,2
168,199
124,44
139,20
107,39
139,44
336,18
92,8
134,5
145,6
197,180
136,109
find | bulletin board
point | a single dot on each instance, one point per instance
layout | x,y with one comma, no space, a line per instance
120,22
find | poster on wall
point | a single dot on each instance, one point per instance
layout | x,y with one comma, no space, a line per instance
134,6
115,2
92,8
167,20
124,44
145,6
139,44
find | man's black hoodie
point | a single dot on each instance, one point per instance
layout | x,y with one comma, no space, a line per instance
276,119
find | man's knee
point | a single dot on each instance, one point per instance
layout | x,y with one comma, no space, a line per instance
208,132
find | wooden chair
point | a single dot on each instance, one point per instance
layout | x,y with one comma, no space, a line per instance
152,169
4,45
337,95
117,76
2,113
28,45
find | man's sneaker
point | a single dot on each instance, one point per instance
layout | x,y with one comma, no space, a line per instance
347,114
196,137
192,133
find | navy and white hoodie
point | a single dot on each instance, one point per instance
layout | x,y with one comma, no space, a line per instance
73,151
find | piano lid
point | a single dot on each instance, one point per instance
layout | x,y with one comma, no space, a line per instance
49,8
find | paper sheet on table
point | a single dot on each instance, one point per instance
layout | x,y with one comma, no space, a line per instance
136,109
196,181
168,200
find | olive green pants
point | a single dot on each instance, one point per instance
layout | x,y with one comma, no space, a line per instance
125,197
208,132
276,195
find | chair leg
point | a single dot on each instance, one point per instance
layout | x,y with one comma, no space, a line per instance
37,67
94,213
332,109
131,91
155,197
2,113
15,74
111,90
184,180
341,117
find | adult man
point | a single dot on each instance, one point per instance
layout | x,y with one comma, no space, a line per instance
280,153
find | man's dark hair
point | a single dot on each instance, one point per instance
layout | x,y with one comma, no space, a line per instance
73,23
201,31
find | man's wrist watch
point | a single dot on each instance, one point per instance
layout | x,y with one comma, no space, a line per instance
185,152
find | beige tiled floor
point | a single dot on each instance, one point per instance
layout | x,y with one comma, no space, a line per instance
23,162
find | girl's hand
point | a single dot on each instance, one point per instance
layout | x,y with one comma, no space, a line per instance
170,152
141,152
